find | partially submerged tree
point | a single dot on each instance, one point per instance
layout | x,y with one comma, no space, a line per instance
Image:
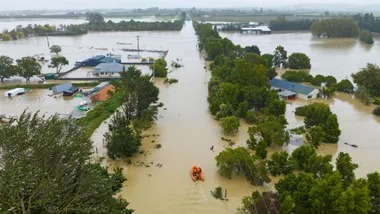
58,62
230,125
46,168
121,140
299,61
28,67
7,69
55,49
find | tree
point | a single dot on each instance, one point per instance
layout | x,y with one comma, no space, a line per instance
240,161
139,92
369,78
55,49
374,191
280,163
319,165
346,168
345,86
271,73
252,49
277,107
315,136
287,205
332,129
299,61
58,61
261,149
269,58
94,18
297,76
255,59
280,56
230,125
7,69
318,80
159,68
317,115
214,49
366,37
330,81
28,67
271,131
363,94
49,169
301,156
6,37
335,28
121,141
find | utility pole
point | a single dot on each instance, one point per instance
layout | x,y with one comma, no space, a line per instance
138,44
47,37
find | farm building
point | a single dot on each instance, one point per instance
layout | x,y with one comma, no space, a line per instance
94,61
61,88
109,69
103,94
290,90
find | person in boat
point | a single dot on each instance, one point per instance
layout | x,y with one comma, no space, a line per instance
196,174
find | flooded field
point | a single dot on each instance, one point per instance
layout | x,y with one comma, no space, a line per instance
13,23
186,129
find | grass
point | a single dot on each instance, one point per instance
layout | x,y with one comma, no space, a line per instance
44,86
100,113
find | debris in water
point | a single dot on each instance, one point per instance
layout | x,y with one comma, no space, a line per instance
352,145
165,109
153,141
212,148
150,175
217,193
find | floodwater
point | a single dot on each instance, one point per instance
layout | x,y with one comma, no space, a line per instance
12,23
186,129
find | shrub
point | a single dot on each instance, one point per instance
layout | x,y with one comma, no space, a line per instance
366,37
345,86
230,125
251,117
318,80
299,61
376,111
297,76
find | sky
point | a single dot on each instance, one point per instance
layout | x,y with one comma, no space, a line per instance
131,4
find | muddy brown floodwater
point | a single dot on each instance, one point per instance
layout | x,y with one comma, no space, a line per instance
186,129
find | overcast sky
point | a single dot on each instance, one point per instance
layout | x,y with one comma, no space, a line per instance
129,4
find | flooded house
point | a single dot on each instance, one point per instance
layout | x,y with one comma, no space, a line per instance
291,90
66,88
108,69
96,60
103,94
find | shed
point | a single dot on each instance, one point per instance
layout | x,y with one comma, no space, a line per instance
302,91
61,88
103,94
101,86
109,68
70,92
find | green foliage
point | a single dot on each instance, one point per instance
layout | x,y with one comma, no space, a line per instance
28,67
121,141
299,61
159,67
301,156
345,86
251,117
330,81
214,49
58,163
272,131
281,163
335,28
94,18
261,150
318,80
240,161
257,203
315,136
317,114
55,49
299,131
374,191
7,69
230,125
280,56
301,111
252,49
332,129
277,107
256,59
297,76
59,61
368,78
346,168
281,24
171,80
271,73
366,37
376,111
269,58
363,94
287,205
218,193
6,37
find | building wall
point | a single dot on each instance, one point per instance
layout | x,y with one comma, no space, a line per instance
305,97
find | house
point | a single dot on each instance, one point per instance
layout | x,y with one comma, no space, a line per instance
61,88
109,69
263,29
290,90
103,94
96,60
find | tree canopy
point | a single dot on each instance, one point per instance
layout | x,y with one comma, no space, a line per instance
299,61
7,69
366,37
58,62
55,49
369,78
49,169
28,67
335,28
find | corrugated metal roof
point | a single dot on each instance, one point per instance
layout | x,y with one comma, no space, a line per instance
109,67
101,86
61,88
291,86
103,94
286,93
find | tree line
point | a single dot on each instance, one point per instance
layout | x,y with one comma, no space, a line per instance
96,23
281,24
335,28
